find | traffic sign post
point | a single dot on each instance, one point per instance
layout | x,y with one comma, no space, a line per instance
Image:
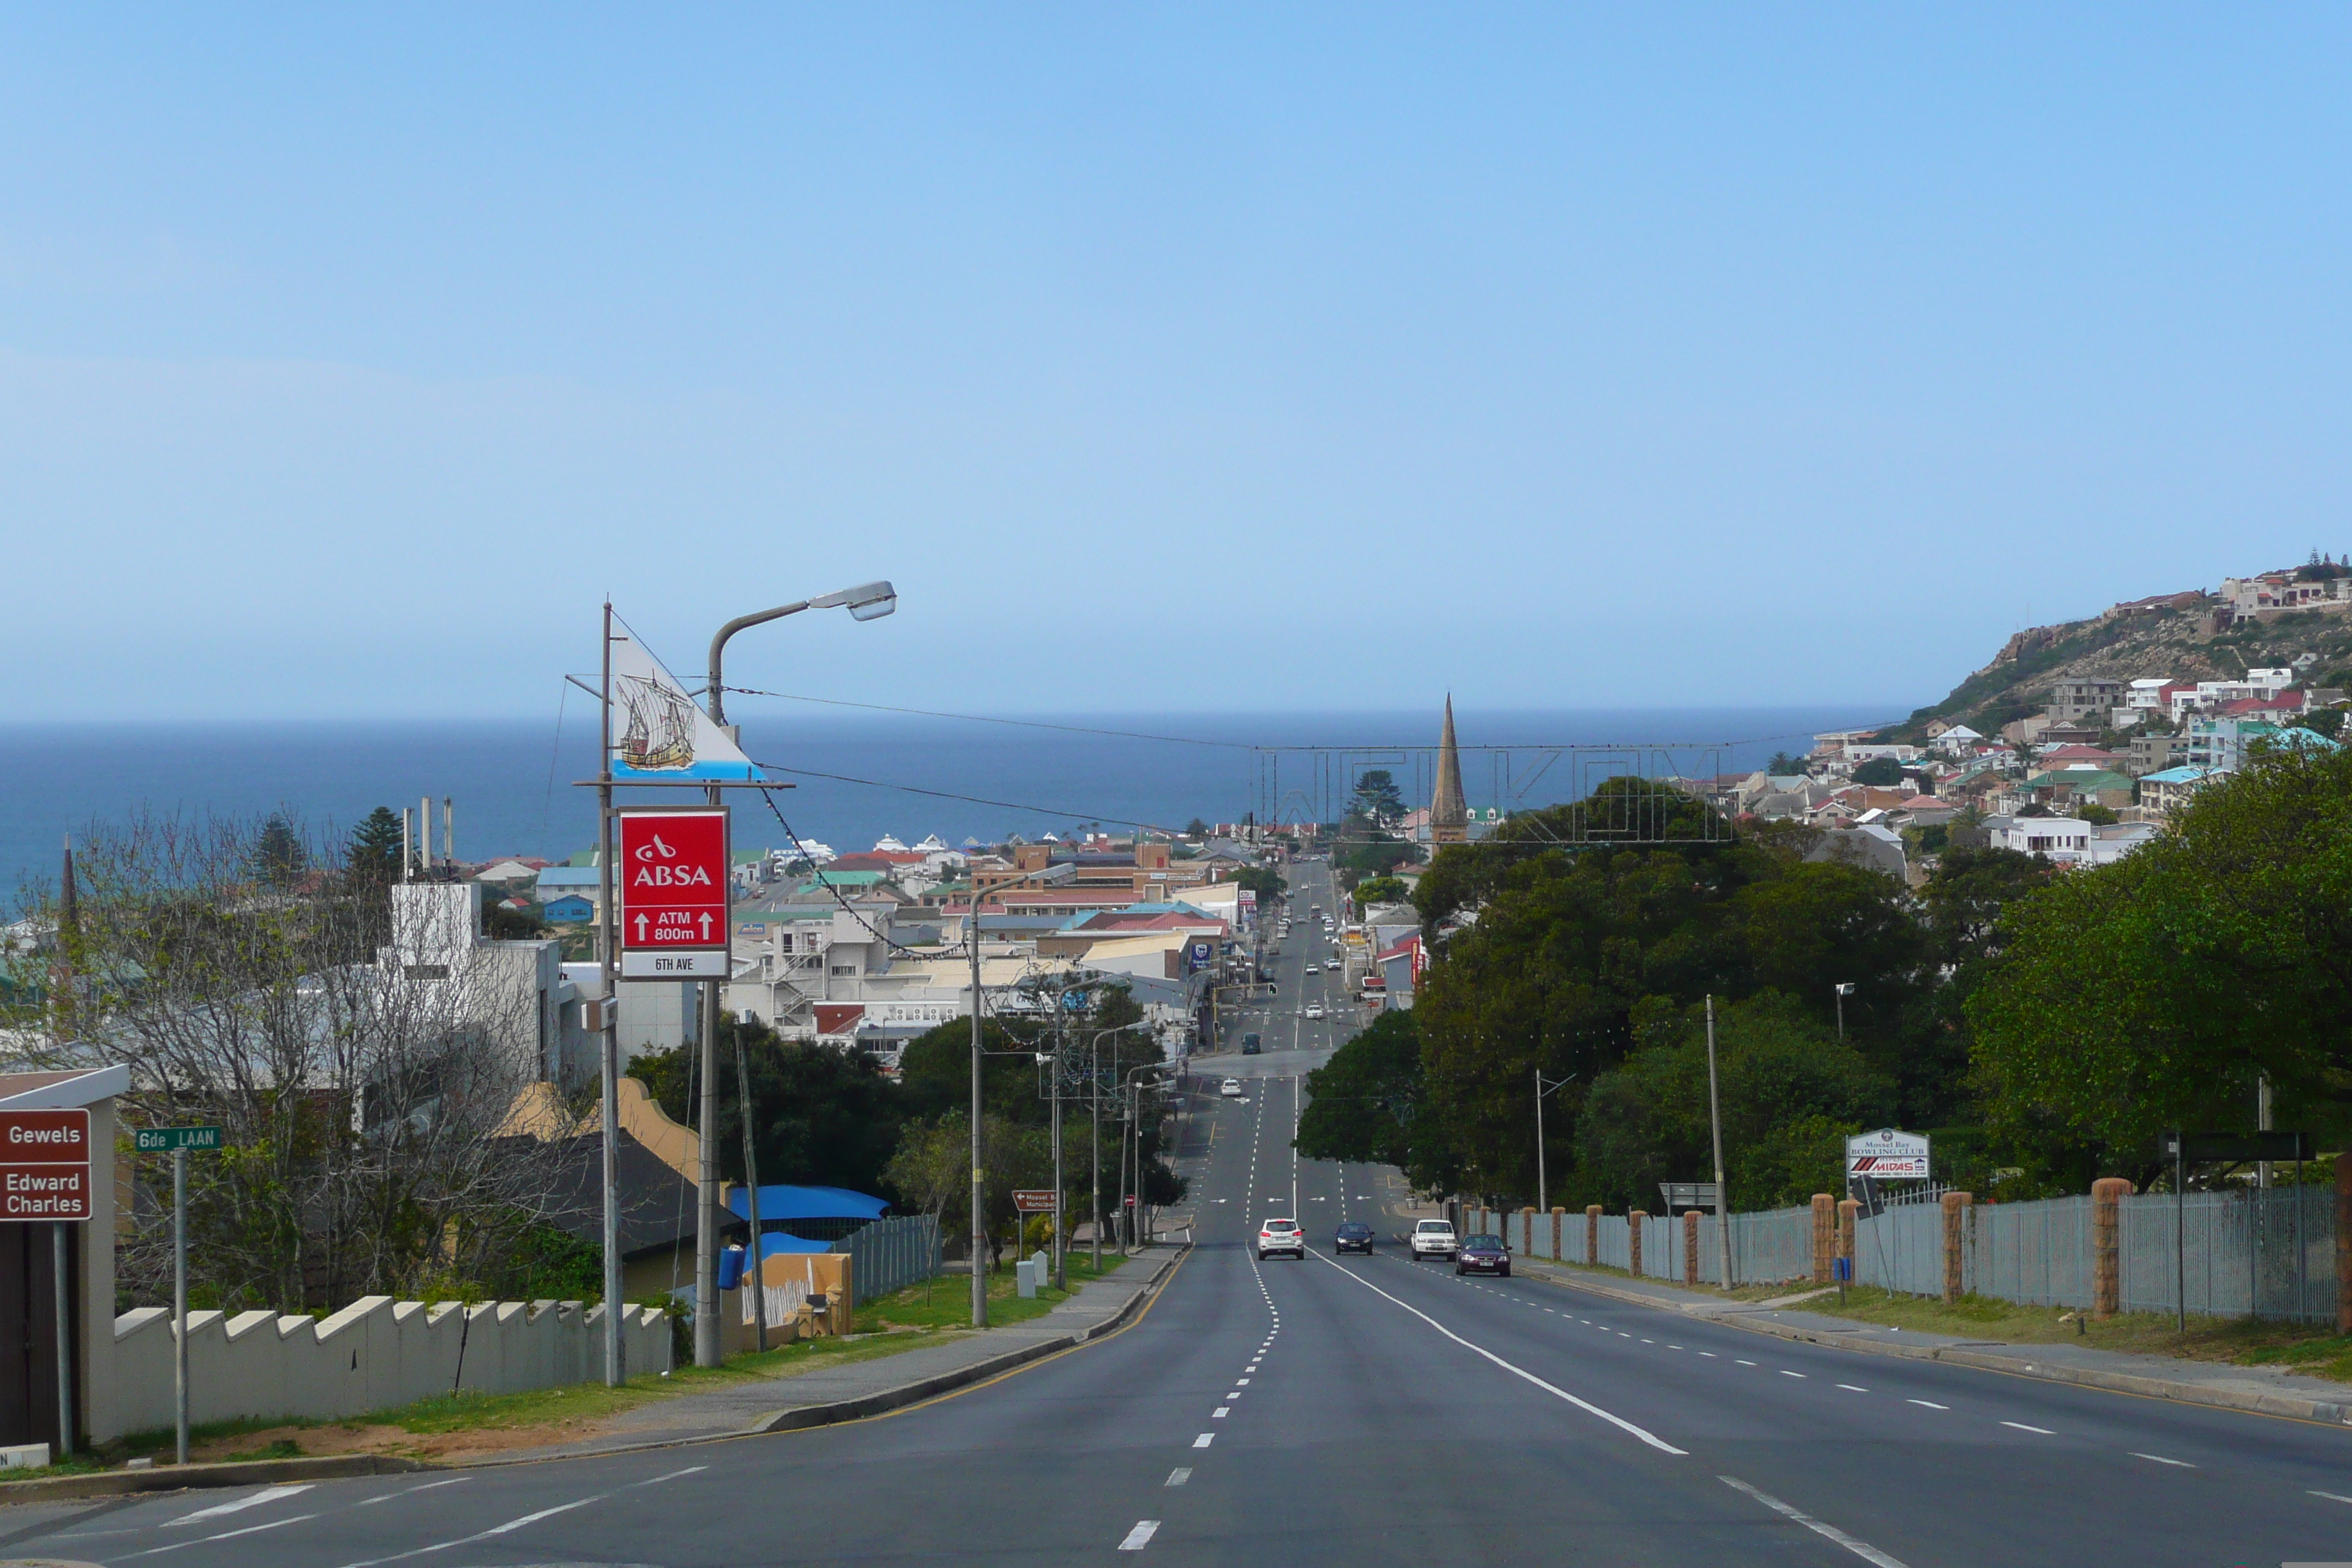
45,1176
672,864
1033,1200
176,1142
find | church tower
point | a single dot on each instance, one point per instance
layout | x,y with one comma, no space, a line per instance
1449,814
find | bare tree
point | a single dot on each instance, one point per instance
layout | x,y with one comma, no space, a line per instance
249,976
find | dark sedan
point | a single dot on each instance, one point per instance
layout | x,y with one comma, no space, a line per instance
1484,1255
1353,1235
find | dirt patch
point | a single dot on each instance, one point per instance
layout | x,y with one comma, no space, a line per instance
272,1442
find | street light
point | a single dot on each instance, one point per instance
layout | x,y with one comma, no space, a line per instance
1543,1194
1094,1085
1133,1093
979,1239
867,602
1844,990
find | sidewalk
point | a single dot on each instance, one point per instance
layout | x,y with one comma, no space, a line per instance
827,1393
2262,1389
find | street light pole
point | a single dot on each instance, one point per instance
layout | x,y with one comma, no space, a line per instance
867,602
1543,1192
978,1241
1843,990
1715,1116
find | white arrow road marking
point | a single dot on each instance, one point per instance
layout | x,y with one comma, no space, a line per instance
1862,1549
1589,1408
268,1494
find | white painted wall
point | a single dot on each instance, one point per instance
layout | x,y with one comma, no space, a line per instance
375,1354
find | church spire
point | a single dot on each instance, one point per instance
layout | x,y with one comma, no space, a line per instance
1449,814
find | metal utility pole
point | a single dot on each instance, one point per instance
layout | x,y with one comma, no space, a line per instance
867,602
1715,1116
608,1052
180,1301
1543,1191
1844,990
751,1186
1061,1275
60,1268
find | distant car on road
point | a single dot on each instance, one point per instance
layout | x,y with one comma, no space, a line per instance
1314,969
1281,1235
1353,1235
1434,1239
1314,1009
1484,1255
1230,1089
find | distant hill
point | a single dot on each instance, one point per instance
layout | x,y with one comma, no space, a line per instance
2170,634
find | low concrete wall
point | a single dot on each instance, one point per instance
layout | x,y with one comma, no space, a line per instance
375,1354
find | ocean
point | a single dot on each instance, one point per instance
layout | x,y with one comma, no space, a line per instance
513,783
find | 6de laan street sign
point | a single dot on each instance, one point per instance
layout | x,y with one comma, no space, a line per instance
673,893
163,1140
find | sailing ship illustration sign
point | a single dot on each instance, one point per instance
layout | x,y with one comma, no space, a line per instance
672,864
657,732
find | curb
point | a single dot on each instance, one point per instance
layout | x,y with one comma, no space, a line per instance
2328,1412
337,1466
174,1477
882,1401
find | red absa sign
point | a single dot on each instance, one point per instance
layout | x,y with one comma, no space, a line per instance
673,894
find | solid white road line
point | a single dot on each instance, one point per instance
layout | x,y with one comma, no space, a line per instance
267,1494
509,1526
1928,1402
2021,1426
224,1535
1862,1549
2332,1497
1589,1408
1786,1372
427,1487
1853,1388
1141,1536
2159,1458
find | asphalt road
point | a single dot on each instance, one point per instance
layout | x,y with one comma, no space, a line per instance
1369,1412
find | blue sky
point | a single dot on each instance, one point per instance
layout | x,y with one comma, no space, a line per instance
1215,357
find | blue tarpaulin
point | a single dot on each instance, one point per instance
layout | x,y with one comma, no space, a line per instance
788,1203
774,1244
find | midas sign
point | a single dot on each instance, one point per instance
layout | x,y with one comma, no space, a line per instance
673,894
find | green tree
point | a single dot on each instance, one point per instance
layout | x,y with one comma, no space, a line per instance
1377,798
1264,880
1880,772
822,1117
1785,764
2155,991
278,856
1196,828
1381,890
374,850
1366,1105
1790,1094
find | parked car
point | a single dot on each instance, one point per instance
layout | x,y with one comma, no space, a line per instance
1230,1089
1353,1235
1484,1255
1434,1239
1281,1235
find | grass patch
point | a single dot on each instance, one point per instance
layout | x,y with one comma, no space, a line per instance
947,1304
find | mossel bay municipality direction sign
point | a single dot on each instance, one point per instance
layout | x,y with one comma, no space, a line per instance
1033,1200
163,1140
44,1164
1887,1155
673,903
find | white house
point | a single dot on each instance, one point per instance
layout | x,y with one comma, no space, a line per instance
1958,741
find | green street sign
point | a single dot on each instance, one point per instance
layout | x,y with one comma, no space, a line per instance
163,1140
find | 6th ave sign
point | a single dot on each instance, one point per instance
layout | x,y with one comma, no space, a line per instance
673,902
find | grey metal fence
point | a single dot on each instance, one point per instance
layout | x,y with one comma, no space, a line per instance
2231,1255
2038,1253
890,1255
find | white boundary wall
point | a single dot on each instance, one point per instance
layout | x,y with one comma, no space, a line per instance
375,1354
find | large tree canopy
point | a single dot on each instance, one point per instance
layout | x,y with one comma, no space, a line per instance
2155,991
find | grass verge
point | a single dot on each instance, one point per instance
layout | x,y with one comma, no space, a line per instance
907,1320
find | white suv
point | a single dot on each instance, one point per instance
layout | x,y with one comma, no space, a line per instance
1281,1235
1432,1238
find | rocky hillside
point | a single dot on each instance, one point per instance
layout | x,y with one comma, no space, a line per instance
2172,636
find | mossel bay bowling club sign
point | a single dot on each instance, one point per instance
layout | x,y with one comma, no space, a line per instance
673,894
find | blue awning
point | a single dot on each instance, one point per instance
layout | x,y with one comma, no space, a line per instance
788,1203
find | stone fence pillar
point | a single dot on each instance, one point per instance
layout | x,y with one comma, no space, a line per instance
1690,1247
1592,1233
1824,1235
1633,1240
2106,1246
1956,1220
1528,1232
1847,1212
2344,1244
1557,1214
